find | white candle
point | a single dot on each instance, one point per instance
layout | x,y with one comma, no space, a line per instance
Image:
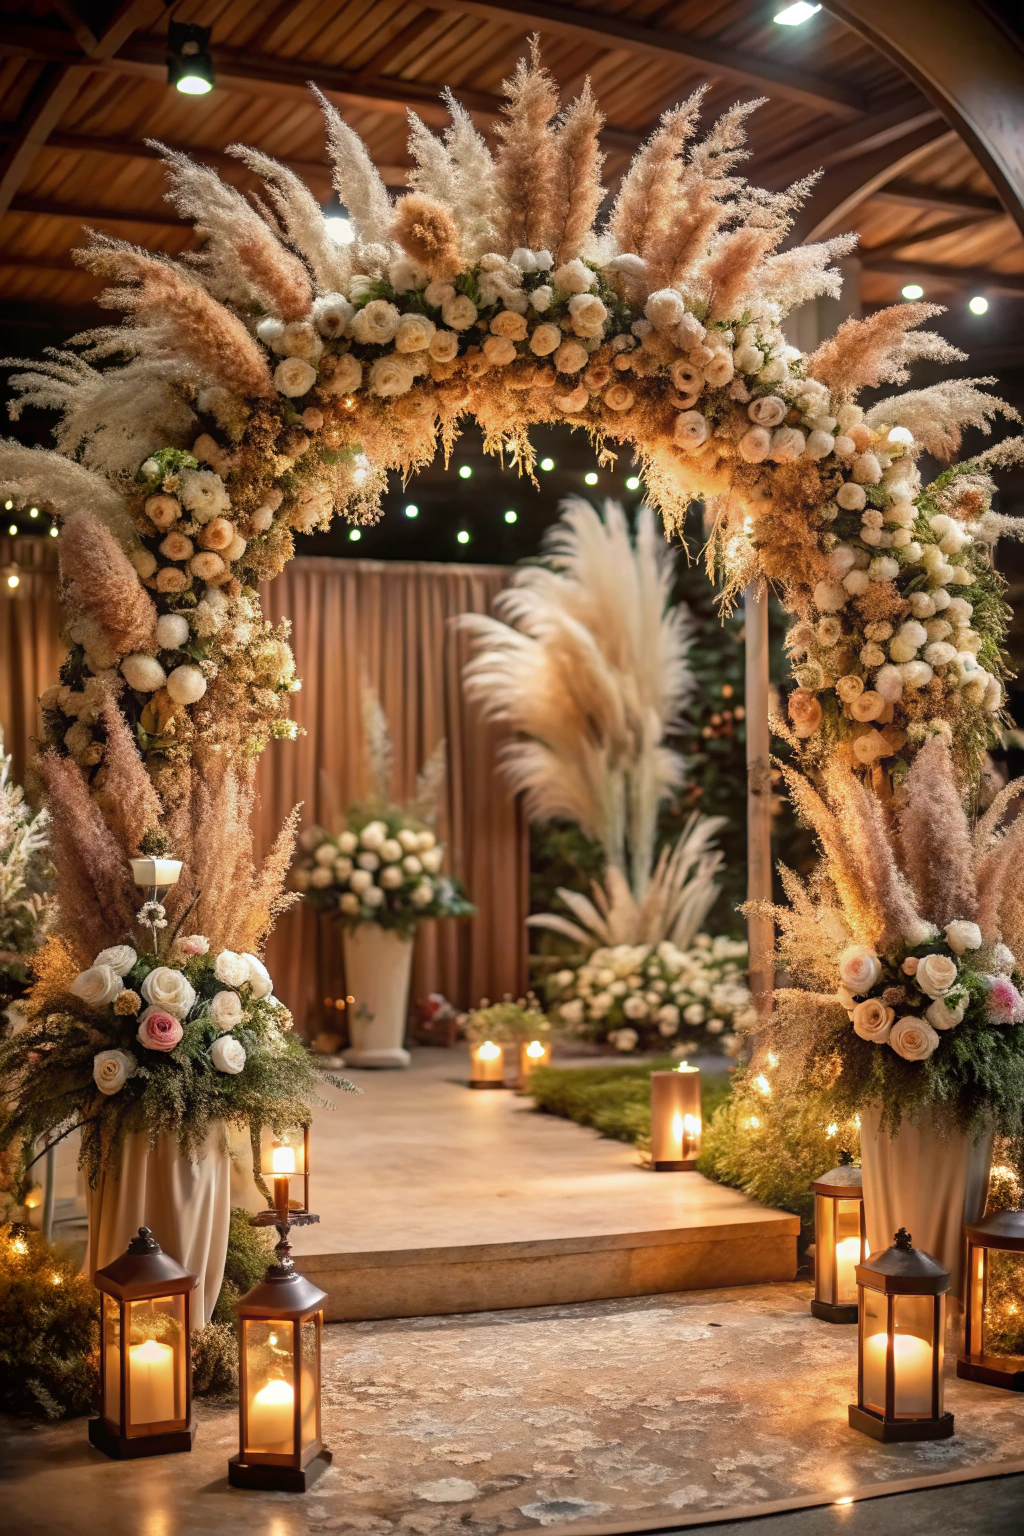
847,1258
151,1382
912,1362
272,1419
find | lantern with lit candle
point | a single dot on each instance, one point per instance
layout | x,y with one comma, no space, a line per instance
486,1065
839,1242
532,1054
145,1353
993,1326
675,1119
280,1325
285,1163
902,1328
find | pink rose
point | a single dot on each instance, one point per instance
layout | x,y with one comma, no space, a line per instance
192,944
1004,1004
804,712
158,1031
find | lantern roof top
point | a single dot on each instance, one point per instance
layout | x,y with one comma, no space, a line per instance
144,1269
844,1180
281,1291
1003,1229
904,1269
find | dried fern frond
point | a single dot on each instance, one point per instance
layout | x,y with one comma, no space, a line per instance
646,203
579,176
527,165
866,353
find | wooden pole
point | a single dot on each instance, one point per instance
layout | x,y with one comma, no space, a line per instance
760,930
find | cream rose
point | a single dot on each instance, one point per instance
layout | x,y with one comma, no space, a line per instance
226,1010
444,346
936,974
872,1020
376,323
913,1039
804,712
458,313
510,325
588,314
941,1016
545,339
573,402
690,430
960,936
859,968
768,411
391,376
499,351
870,747
867,706
228,1055
754,445
97,986
120,958
259,976
112,1069
570,356
231,969
344,375
618,398
169,990
294,377
414,333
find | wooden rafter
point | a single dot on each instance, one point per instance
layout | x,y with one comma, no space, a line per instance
89,214
901,243
605,29
903,193
823,151
983,279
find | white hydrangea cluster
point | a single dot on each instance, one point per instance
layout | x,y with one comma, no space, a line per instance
383,870
648,994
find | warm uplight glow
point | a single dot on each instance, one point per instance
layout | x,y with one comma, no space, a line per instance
462,536
412,510
754,1123
57,1279
33,511
33,1199
8,505
795,15
912,291
511,517
833,1130
847,1258
590,479
534,1049
19,1245
465,471
283,1160
54,531
978,305
340,229
547,463
489,1051
773,1060
846,1499
633,483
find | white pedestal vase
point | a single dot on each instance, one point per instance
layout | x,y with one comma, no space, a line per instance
933,1185
186,1206
378,964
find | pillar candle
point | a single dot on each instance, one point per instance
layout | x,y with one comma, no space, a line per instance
912,1363
151,1382
272,1419
847,1258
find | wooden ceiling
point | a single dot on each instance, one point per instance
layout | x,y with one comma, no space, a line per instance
83,86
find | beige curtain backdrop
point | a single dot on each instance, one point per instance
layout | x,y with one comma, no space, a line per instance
394,624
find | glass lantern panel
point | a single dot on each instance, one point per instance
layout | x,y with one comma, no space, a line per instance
914,1329
824,1249
1004,1311
310,1385
111,1360
847,1249
269,1387
875,1310
156,1362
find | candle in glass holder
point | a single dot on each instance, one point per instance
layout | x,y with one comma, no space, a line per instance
283,1163
534,1053
151,1382
675,1118
272,1419
487,1065
912,1369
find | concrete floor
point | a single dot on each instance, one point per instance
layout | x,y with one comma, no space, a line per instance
620,1415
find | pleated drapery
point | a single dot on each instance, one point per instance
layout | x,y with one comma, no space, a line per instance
392,623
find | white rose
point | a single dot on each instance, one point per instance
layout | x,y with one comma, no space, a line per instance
361,881
960,936
913,1039
563,979
574,277
412,865
941,1016
635,1007
226,1010
97,986
414,333
691,429
409,839
425,841
391,850
368,861
259,976
572,1012
347,842
392,877
423,894
768,411
859,968
321,877
391,376
936,974
459,312
228,1055
169,990
872,1020
232,969
331,314
376,323
588,314
143,673
374,897
325,855
624,1039
344,376
120,958
349,903
294,377
342,869
432,858
112,1069
373,835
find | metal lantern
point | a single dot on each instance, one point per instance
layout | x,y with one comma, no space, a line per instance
840,1243
283,1160
532,1054
280,1325
675,1119
486,1065
982,1360
145,1353
899,1347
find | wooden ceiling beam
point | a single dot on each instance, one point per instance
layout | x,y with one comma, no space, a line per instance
981,279
49,209
904,193
918,237
846,184
607,30
824,151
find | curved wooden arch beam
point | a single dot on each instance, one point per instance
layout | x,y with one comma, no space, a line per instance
967,64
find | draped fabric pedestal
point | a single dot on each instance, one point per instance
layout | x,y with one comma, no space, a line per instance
186,1205
378,964
931,1184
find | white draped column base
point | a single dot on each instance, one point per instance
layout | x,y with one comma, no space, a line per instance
186,1205
378,964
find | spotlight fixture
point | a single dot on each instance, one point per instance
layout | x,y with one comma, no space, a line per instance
354,535
54,530
33,511
547,463
189,65
412,510
12,530
465,470
590,479
511,517
12,576
796,15
633,483
8,505
912,291
978,305
462,536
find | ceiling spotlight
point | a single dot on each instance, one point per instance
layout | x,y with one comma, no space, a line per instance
912,291
465,470
511,517
633,483
340,229
547,463
796,15
12,530
12,577
462,536
189,65
8,505
590,479
412,510
354,535
54,530
33,511
978,305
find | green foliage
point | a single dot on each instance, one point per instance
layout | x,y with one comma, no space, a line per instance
614,1100
249,1250
508,1022
49,1329
215,1359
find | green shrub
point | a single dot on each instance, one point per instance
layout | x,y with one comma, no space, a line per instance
49,1329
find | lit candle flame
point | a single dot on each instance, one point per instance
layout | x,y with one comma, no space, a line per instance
284,1159
534,1049
677,1129
489,1051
